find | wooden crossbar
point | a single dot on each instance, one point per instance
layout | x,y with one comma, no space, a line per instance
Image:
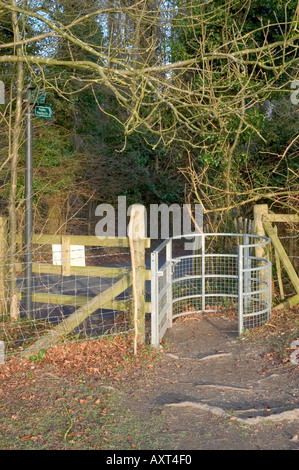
285,218
85,240
78,301
92,271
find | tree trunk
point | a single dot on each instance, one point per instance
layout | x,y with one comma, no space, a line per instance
14,149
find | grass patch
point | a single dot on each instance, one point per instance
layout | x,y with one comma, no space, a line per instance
72,399
80,417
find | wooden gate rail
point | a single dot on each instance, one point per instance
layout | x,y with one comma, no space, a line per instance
66,269
263,219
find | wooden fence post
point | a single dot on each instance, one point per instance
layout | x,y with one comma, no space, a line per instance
278,269
259,212
137,234
66,255
3,267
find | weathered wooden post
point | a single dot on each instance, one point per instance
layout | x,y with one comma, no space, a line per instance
66,255
260,212
278,268
137,235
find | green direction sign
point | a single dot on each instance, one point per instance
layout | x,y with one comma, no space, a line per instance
37,96
43,111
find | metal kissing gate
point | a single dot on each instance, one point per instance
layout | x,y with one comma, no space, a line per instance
219,271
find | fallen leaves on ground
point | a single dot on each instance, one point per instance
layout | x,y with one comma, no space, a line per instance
109,359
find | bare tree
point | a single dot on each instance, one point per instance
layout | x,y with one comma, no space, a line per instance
204,99
15,139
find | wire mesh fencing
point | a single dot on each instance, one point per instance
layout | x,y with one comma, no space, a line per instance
255,283
221,271
89,289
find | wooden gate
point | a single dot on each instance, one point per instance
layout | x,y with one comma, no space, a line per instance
117,280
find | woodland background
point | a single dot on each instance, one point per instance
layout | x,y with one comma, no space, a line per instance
159,101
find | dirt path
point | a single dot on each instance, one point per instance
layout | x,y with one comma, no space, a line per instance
207,389
214,391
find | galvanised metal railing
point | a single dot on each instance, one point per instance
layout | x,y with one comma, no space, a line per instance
221,271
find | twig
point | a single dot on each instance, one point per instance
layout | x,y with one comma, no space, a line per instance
270,324
71,423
